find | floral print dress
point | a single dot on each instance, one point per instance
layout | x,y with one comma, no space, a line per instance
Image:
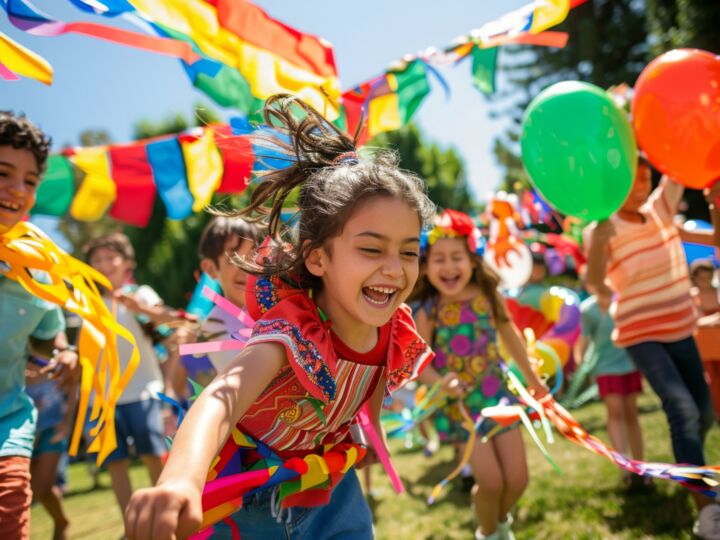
465,342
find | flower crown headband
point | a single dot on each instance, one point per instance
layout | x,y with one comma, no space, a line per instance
454,224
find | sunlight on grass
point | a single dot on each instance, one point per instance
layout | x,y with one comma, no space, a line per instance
585,501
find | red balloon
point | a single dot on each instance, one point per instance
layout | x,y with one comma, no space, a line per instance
676,115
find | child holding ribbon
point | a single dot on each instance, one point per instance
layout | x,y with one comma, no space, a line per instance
28,322
638,253
331,334
464,316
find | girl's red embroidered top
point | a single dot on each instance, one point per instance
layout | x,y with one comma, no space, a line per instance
312,401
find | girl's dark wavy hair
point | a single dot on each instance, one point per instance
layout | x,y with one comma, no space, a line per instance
483,276
330,182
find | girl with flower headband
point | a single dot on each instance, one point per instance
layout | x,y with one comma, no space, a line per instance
331,334
463,316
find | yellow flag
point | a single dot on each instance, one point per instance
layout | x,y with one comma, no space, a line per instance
548,14
98,190
204,166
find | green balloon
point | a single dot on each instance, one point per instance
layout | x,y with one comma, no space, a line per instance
579,149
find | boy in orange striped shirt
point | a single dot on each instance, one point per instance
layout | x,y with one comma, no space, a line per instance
638,252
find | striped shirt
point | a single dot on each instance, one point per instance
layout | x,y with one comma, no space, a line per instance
646,268
285,416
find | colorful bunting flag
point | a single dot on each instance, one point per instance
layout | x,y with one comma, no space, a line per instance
387,102
56,191
135,194
239,55
238,157
170,176
6,74
184,171
204,166
483,68
97,191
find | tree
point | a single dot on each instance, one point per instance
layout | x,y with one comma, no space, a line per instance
685,23
443,170
632,32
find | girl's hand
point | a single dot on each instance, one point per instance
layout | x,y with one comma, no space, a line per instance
452,385
169,511
371,458
537,388
603,231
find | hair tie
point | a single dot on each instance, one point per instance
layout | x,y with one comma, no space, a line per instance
351,158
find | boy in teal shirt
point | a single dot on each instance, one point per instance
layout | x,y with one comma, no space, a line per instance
28,325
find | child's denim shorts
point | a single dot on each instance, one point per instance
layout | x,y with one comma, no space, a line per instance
347,517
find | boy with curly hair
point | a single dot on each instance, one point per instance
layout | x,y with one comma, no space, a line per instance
29,325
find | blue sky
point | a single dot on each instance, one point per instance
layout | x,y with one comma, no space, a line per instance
103,85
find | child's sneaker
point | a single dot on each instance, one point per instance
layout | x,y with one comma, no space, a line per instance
480,536
431,447
707,525
505,528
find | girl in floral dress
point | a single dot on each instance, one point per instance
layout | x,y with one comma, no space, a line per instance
464,316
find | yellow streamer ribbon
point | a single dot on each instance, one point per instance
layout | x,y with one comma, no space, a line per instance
25,249
23,61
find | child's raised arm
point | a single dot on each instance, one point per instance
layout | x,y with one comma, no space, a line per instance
172,509
597,249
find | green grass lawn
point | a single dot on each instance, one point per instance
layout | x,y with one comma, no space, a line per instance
585,501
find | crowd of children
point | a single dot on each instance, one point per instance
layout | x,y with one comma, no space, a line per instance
331,334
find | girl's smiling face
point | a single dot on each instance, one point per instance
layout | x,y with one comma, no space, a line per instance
449,267
369,269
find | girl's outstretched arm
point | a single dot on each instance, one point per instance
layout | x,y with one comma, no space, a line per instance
516,348
172,509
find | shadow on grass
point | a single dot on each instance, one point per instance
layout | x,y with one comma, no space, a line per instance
435,472
654,512
662,510
85,491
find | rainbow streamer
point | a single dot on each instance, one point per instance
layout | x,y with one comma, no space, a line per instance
26,17
703,479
